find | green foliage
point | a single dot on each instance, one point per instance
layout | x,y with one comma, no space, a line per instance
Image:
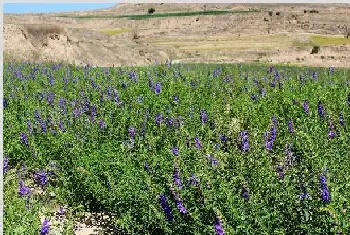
151,10
99,169
160,15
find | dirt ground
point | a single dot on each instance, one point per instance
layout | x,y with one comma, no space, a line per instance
252,36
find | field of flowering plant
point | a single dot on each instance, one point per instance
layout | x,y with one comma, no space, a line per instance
181,149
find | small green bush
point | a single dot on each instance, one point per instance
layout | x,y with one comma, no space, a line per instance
151,10
315,49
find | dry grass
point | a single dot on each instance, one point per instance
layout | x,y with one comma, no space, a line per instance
43,29
322,40
115,31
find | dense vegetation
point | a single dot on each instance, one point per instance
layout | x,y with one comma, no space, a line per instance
180,149
158,15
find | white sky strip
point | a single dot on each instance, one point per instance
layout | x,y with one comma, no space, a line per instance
182,1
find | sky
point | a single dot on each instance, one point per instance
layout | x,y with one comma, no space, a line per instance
18,8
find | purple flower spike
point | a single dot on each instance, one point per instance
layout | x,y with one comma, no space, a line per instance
41,178
45,227
320,109
159,118
165,206
102,124
157,88
23,190
280,172
245,194
245,143
131,132
175,151
6,164
193,180
24,139
203,117
290,126
181,207
218,226
325,195
198,143
176,177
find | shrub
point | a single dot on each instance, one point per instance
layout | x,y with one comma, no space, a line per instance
151,10
278,13
45,29
315,50
135,36
270,13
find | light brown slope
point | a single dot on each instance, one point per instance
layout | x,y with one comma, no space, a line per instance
238,37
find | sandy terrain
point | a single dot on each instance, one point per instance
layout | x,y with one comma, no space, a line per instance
238,37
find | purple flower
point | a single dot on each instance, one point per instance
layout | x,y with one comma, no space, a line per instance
245,194
165,206
159,118
197,143
60,125
306,107
244,141
181,207
280,172
176,177
169,122
102,124
175,151
218,226
193,180
223,138
37,114
50,98
331,70
176,99
157,88
303,195
263,91
314,75
41,178
203,116
213,160
348,101
320,109
23,190
5,102
290,126
331,134
131,132
331,128
6,164
45,227
24,139
254,97
325,195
